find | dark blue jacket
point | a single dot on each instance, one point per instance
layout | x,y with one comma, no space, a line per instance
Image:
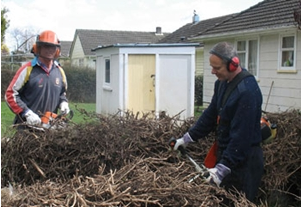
239,127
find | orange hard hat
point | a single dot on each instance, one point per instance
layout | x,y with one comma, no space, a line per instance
47,37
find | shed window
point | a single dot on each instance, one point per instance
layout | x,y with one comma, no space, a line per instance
287,52
247,51
107,70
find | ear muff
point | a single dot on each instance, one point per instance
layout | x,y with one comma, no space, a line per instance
58,52
232,63
34,49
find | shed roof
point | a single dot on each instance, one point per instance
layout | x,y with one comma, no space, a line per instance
92,38
130,45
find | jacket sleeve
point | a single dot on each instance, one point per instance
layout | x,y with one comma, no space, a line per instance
12,96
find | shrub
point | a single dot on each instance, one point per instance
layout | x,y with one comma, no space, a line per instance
198,90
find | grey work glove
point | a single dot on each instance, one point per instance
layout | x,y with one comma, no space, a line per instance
183,141
216,175
32,118
64,107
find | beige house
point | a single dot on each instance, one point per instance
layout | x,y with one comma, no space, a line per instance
84,40
183,35
268,40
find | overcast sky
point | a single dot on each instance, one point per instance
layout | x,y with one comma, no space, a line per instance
65,16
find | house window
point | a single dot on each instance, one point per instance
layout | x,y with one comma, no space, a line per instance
107,70
247,51
287,52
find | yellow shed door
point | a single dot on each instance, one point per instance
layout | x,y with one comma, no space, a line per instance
141,83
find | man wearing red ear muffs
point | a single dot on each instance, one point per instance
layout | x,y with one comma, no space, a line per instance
40,85
234,115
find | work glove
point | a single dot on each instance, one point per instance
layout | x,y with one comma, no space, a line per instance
216,175
183,141
32,118
64,107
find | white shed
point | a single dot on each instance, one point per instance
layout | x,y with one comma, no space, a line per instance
146,78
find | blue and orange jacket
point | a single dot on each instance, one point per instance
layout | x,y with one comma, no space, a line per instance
35,88
239,126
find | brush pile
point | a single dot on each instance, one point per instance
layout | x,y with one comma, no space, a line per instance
125,161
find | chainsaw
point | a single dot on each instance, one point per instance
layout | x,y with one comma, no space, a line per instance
53,121
268,129
201,169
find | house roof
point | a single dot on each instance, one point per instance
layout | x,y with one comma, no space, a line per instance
268,14
65,48
93,38
190,29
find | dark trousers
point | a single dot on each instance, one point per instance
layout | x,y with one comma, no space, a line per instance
247,177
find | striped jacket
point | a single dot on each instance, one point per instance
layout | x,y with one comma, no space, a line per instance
33,87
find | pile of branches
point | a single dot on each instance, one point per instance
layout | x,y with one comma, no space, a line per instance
125,161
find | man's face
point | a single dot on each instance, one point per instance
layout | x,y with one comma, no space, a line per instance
48,51
219,68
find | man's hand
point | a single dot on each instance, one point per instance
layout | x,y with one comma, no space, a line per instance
217,174
32,118
64,107
182,141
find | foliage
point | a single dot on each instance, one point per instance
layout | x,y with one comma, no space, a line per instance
4,24
199,90
81,84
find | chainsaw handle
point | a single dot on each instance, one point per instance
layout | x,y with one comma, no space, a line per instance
63,115
172,143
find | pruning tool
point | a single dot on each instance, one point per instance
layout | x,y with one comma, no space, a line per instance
202,170
51,120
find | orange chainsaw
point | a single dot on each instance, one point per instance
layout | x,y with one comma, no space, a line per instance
52,120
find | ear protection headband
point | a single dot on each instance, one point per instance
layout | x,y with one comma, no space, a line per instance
232,63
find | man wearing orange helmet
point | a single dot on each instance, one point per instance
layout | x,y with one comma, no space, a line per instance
40,85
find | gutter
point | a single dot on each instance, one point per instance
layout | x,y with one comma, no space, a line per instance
241,33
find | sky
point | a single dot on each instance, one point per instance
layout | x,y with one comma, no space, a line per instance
65,16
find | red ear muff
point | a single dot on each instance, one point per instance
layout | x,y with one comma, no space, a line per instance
34,49
233,64
58,52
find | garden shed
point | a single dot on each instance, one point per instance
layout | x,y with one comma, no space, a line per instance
146,78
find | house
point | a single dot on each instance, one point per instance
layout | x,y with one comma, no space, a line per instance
146,78
189,30
268,41
65,50
84,40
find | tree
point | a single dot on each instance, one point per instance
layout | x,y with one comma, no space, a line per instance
25,38
4,24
